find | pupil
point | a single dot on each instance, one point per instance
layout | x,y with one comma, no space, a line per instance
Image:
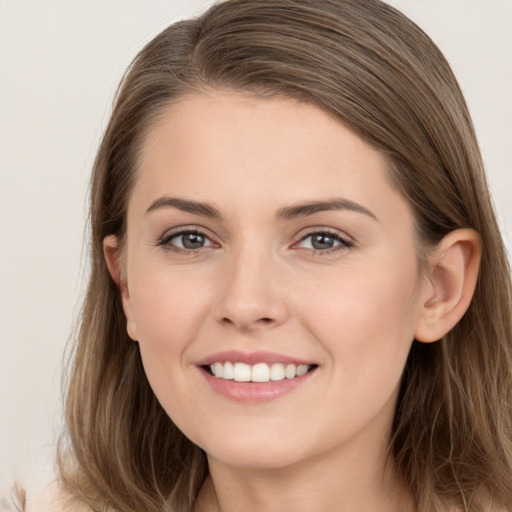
193,241
322,241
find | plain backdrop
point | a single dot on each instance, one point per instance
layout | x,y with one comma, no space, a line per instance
60,62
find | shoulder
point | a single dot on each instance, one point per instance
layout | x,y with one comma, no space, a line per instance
52,498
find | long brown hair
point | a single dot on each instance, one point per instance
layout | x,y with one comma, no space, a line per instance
370,66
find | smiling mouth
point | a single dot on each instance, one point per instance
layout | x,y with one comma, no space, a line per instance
259,372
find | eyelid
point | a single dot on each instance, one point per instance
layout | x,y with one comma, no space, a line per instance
345,241
164,240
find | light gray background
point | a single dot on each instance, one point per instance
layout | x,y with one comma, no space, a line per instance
60,62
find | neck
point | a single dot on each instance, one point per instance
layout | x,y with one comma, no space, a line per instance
342,482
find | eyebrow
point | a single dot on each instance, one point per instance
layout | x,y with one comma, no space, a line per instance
312,207
185,205
286,213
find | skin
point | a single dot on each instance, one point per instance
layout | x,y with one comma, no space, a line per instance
259,284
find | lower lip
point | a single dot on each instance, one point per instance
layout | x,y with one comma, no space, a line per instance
254,392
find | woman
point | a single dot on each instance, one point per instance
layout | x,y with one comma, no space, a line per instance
299,295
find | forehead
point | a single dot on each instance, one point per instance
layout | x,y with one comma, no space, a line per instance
237,149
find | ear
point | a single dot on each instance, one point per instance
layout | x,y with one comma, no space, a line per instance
453,275
114,261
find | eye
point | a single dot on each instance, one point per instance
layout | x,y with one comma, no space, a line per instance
324,241
187,240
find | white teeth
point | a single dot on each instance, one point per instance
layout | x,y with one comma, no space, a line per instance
242,372
260,372
302,369
277,372
228,372
290,371
218,370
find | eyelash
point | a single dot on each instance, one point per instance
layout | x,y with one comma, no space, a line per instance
343,243
165,241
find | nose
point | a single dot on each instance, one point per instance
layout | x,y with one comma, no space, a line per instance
250,298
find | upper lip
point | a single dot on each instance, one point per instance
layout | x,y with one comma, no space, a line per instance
236,356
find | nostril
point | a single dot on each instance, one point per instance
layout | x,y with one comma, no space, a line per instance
264,321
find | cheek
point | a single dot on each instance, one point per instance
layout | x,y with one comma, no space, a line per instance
365,323
168,311
165,300
366,317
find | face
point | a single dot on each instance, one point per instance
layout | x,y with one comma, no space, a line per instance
271,280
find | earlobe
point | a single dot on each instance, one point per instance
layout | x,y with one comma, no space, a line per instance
111,252
453,275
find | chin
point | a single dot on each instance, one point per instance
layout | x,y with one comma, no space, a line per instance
255,450
255,459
